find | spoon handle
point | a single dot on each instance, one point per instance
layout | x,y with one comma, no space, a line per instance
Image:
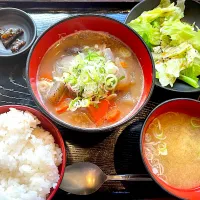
129,177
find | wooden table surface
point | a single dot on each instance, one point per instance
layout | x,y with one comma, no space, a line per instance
115,152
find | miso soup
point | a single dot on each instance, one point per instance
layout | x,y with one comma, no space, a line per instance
172,148
90,79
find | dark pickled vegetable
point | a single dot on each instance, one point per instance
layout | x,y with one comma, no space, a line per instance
7,34
56,92
17,45
10,35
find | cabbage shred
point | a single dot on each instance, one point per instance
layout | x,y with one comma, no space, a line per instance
175,45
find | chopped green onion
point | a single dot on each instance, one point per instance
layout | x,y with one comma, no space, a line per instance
111,82
159,136
195,122
96,105
121,78
78,103
91,77
162,149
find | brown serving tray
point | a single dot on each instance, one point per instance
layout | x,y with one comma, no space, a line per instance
115,152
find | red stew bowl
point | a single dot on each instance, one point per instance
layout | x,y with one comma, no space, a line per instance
188,106
94,23
49,126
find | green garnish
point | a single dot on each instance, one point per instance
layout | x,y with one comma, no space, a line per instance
91,77
96,105
78,103
121,78
162,149
111,82
195,122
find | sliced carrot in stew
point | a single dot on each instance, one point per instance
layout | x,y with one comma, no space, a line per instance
113,115
97,113
62,106
123,64
100,122
47,77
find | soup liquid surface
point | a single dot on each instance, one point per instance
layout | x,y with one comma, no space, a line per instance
172,147
126,99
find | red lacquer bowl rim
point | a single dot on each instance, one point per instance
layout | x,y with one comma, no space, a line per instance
90,130
143,156
56,131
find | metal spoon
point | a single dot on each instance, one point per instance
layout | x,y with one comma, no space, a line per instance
86,178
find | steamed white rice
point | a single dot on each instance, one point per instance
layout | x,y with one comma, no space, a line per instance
28,157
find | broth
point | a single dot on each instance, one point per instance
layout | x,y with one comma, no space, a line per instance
172,149
124,96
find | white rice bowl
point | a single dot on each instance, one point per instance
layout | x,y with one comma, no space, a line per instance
28,158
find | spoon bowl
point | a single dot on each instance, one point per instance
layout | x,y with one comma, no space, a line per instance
82,179
86,178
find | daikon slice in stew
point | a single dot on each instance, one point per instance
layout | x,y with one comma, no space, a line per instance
90,79
172,149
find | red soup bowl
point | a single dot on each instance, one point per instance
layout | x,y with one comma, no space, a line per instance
49,126
187,106
95,23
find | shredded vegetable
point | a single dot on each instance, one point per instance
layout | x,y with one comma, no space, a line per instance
175,45
155,146
92,77
159,135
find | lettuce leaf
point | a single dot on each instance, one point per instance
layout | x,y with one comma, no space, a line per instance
192,72
168,71
193,57
189,81
195,41
181,4
177,51
150,34
148,23
190,75
178,31
175,45
181,62
164,3
174,66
